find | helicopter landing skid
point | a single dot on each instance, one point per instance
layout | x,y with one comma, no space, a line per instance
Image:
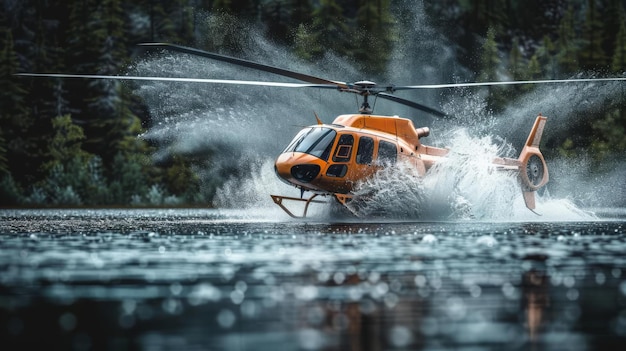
278,199
345,199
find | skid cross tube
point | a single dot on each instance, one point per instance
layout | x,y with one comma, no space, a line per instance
278,199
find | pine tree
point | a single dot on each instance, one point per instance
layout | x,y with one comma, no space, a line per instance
534,68
13,111
111,121
484,15
490,68
567,44
547,57
592,55
67,142
306,43
67,179
611,18
375,39
331,29
517,65
490,58
619,56
15,119
276,15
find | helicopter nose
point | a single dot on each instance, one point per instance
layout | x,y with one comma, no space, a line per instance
297,168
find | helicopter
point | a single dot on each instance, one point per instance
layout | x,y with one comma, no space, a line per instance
329,160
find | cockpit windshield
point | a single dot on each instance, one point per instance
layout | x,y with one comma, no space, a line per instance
313,141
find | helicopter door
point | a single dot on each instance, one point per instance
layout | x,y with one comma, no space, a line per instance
344,148
343,153
387,153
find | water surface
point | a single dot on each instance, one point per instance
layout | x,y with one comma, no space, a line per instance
237,280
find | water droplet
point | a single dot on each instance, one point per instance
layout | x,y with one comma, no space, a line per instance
400,336
126,321
509,290
379,290
226,318
455,308
339,277
373,277
172,306
475,290
203,293
249,309
391,300
237,297
176,289
395,285
67,321
572,294
487,240
129,306
241,286
306,293
420,281
569,281
616,272
429,239
323,277
600,278
311,339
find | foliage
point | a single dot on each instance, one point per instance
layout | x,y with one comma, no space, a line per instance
74,142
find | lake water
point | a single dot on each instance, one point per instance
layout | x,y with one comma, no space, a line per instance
205,279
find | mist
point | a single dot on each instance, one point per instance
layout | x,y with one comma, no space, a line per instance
242,129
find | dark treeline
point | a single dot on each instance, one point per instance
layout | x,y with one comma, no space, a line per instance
75,142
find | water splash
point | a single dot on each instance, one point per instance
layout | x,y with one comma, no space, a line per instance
464,186
583,180
239,132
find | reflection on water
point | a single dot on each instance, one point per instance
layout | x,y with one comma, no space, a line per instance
211,280
535,301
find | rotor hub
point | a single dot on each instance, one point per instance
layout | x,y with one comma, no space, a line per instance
365,85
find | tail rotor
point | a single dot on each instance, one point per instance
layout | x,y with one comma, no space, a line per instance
534,170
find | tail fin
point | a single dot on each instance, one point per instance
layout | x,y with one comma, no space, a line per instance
533,170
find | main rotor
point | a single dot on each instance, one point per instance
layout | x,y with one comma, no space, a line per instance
363,88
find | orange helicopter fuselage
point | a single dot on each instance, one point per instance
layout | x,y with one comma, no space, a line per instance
332,158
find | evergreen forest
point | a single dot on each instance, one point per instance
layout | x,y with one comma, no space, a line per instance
76,142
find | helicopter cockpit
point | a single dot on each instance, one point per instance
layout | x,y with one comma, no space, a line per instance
316,141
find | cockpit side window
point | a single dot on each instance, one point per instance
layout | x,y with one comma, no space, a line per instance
387,152
344,148
297,139
365,151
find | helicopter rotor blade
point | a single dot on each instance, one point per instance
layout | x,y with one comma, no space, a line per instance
186,80
246,63
515,82
412,104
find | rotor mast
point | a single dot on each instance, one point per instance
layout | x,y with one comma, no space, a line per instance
363,88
